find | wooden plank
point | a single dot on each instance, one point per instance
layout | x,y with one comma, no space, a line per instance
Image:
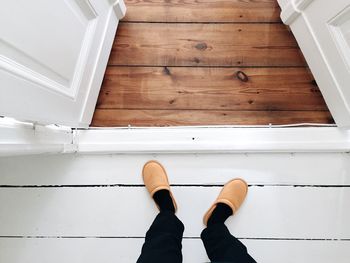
210,88
125,117
202,11
185,169
269,211
86,250
205,45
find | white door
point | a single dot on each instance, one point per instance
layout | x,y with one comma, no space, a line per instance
322,28
53,55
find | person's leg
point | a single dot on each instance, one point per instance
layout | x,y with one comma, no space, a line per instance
163,239
220,245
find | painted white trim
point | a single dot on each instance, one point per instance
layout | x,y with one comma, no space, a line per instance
309,22
289,13
18,138
212,140
64,98
119,8
292,9
117,12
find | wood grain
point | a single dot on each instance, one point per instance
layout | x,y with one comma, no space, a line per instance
209,88
125,117
202,11
175,62
205,45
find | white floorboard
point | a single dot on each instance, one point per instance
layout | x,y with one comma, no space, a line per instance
88,250
278,168
57,208
269,212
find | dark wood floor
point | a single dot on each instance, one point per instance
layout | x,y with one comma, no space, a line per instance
207,62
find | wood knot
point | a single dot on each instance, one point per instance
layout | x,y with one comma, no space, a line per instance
201,46
166,71
196,60
242,76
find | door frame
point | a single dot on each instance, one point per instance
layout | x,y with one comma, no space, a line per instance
23,138
211,139
296,14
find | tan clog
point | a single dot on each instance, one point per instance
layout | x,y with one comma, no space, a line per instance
232,194
155,179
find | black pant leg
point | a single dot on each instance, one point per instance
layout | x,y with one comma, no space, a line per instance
221,246
163,240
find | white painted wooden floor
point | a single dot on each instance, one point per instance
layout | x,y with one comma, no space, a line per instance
76,208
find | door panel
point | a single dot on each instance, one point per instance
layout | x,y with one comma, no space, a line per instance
322,29
52,57
331,26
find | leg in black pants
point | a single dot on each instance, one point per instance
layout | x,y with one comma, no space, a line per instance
163,240
221,246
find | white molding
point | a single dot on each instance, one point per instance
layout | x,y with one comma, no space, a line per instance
212,140
302,4
86,7
83,58
292,10
26,138
18,138
339,36
59,84
119,8
104,50
289,13
310,22
31,149
321,71
29,75
51,94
